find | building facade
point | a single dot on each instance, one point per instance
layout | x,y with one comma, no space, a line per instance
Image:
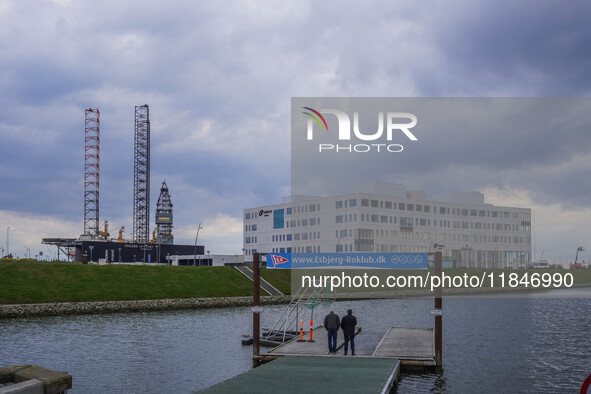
388,218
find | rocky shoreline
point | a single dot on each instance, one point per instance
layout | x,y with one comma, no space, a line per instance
83,308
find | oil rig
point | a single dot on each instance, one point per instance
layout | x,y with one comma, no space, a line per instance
96,244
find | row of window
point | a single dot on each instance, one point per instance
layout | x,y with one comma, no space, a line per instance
281,237
281,250
250,227
365,202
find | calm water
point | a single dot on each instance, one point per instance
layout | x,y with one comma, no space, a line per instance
536,344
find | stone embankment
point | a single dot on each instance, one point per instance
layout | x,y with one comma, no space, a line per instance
82,308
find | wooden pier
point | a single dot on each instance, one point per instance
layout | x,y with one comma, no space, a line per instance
412,346
307,367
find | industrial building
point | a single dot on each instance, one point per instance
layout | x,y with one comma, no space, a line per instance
96,244
388,218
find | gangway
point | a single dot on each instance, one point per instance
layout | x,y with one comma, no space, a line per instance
306,299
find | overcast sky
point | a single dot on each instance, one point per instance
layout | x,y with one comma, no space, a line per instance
219,77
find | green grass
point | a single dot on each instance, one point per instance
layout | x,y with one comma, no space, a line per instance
37,282
280,278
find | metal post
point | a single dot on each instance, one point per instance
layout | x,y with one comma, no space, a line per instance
7,241
438,317
256,316
196,237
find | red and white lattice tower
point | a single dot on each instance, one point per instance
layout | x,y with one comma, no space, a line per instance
91,171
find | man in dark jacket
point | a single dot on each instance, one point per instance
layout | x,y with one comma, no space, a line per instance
348,325
331,323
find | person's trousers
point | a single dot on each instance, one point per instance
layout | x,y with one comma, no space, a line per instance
350,338
332,339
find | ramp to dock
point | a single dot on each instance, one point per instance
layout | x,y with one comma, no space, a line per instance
301,374
269,288
410,345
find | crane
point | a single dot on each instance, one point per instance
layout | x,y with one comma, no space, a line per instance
575,265
105,234
120,239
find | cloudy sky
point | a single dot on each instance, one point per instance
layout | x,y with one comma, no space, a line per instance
219,77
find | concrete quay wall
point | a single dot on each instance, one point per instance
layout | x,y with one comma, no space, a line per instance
82,308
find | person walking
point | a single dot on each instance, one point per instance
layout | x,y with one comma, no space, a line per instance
332,323
348,325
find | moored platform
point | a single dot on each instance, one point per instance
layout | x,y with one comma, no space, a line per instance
308,374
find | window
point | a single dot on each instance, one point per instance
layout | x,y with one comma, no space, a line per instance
374,203
388,204
406,223
313,208
410,207
419,208
313,222
338,204
278,218
402,206
353,202
253,227
364,202
288,211
339,219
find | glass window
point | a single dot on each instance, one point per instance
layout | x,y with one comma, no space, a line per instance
364,202
338,204
374,203
388,204
353,202
278,218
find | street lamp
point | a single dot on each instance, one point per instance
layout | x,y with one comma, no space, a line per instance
196,237
7,238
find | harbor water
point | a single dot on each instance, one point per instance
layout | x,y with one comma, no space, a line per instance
538,343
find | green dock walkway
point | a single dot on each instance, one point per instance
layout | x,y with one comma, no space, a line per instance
308,374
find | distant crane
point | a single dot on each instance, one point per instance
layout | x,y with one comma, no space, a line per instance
105,234
120,239
575,265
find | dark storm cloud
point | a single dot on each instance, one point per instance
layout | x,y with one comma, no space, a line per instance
520,48
218,77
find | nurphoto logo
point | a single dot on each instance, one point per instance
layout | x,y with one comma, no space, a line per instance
396,123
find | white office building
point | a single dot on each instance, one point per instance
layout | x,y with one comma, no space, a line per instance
388,218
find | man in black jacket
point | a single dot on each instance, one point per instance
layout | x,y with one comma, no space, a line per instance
348,324
331,323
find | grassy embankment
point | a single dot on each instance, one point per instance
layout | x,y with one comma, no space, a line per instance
38,282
